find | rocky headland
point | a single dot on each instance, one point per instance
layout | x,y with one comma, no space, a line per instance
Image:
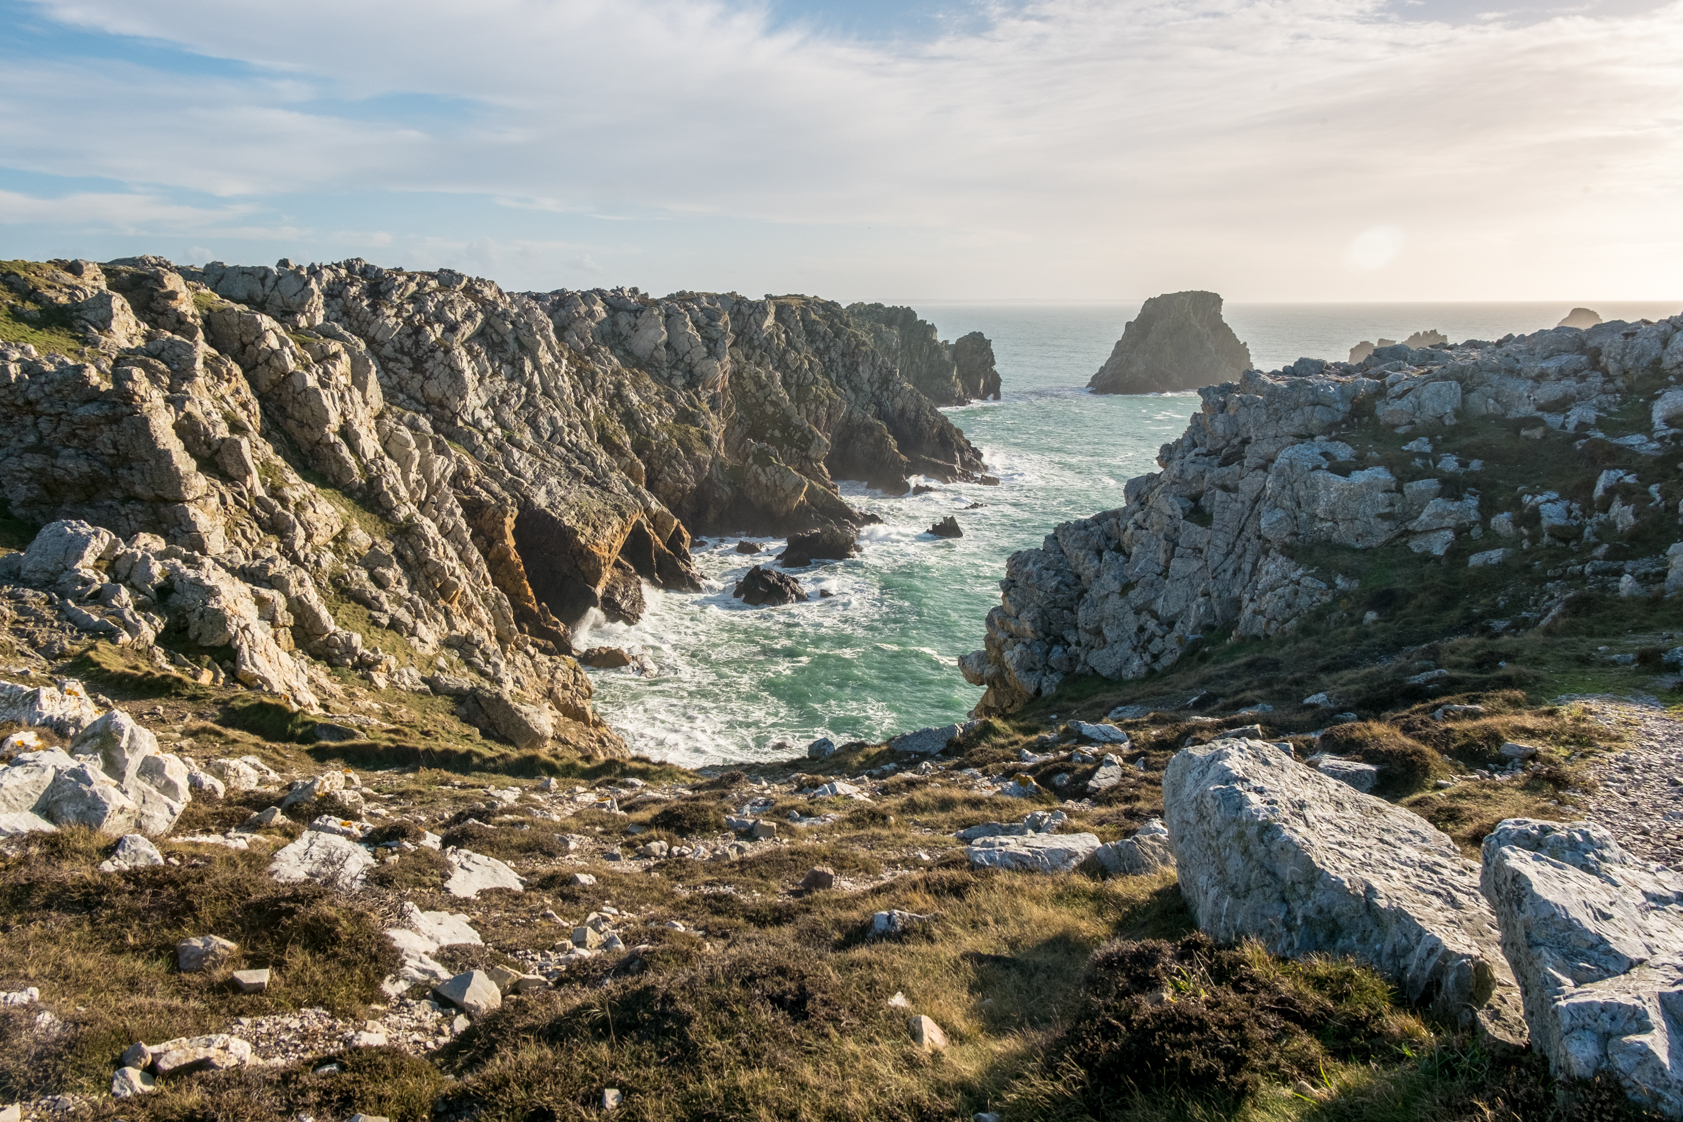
1536,469
953,373
1177,342
266,473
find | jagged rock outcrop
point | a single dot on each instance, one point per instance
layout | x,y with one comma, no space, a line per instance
1431,337
946,373
1595,937
762,587
1272,850
112,780
1295,458
1177,342
414,474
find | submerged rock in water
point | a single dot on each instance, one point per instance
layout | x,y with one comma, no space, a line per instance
819,545
1178,342
764,587
947,528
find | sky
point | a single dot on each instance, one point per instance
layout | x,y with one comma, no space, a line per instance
896,150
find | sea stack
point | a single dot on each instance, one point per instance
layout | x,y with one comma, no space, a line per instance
1581,318
1178,342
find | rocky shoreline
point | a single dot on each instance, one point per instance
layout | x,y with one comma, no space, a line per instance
419,475
305,811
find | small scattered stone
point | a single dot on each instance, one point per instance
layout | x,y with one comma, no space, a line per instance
473,992
131,1081
611,1098
819,877
203,953
581,879
252,981
926,1034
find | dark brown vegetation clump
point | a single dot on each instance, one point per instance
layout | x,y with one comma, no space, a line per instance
1405,765
1189,1017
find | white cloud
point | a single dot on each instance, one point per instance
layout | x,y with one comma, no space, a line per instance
1074,147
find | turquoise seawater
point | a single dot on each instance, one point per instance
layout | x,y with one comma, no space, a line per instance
879,654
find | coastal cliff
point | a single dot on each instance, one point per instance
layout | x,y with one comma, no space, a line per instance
411,474
953,373
1534,468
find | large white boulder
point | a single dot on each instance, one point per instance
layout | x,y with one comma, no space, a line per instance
1267,848
324,858
85,796
472,873
416,938
121,743
1595,937
27,778
1031,853
62,546
67,710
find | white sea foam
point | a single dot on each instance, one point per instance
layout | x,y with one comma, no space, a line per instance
877,657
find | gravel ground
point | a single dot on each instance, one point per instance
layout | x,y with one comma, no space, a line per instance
1641,795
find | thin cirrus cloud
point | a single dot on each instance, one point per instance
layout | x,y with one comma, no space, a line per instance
1045,149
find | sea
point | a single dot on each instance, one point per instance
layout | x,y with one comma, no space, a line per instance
719,682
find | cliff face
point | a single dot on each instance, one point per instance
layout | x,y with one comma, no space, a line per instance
946,373
1471,456
422,463
1178,342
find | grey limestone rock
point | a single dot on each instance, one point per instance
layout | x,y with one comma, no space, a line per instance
1270,849
1146,852
323,858
1595,937
134,851
512,461
205,952
1352,772
472,873
1177,342
1267,465
1031,853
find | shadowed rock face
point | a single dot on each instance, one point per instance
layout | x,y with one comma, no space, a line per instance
946,373
1178,342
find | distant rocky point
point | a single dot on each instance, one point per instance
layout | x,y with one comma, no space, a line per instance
946,373
1178,342
1428,338
1581,318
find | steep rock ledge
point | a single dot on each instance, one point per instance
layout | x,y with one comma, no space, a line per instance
1560,442
953,373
